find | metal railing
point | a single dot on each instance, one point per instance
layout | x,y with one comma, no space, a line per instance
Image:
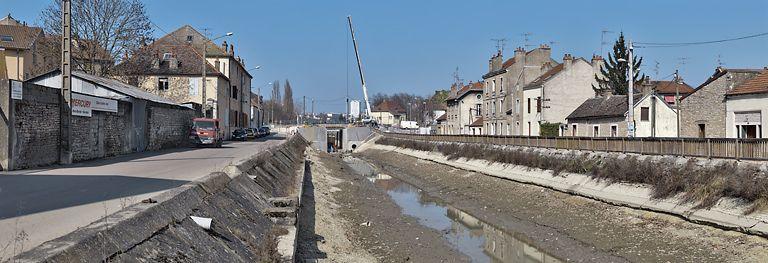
727,148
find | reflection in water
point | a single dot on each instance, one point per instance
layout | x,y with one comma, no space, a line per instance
473,237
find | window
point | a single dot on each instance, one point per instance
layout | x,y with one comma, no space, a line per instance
614,130
529,105
162,83
494,108
167,56
478,96
234,92
644,114
517,106
6,38
478,107
538,104
702,130
596,131
501,85
573,130
493,86
189,39
501,106
529,128
193,87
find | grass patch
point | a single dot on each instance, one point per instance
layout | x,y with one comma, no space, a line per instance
701,185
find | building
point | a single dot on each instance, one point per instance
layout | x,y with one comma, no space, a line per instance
503,88
476,128
667,89
388,113
172,66
747,108
464,107
257,110
551,97
703,112
20,43
441,124
606,116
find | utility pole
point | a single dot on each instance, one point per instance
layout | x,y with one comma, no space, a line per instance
205,64
677,101
304,107
65,128
631,93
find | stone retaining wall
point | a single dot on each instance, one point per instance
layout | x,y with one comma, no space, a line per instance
236,200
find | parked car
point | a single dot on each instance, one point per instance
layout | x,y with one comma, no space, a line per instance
264,131
205,131
251,133
239,134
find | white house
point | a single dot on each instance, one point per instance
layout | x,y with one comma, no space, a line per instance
747,108
607,117
556,93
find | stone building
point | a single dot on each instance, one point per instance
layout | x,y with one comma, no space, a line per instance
464,107
172,66
20,43
388,113
503,88
747,108
559,91
703,112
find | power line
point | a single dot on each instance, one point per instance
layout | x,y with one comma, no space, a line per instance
682,44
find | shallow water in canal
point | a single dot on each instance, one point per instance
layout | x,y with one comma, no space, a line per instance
480,241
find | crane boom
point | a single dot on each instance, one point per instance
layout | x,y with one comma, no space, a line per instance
360,69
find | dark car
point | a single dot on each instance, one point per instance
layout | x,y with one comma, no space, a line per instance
264,131
239,134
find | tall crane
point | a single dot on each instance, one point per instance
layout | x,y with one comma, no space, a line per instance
360,69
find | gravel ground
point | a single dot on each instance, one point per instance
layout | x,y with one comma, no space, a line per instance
570,227
345,218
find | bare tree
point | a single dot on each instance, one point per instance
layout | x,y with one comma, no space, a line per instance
103,31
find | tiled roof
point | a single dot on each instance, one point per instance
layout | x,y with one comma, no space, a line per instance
477,123
757,84
122,88
670,87
602,107
719,72
388,106
22,37
471,87
547,75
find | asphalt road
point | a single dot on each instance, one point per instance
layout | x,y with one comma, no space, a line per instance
43,204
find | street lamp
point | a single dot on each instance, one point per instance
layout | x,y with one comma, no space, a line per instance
630,90
205,67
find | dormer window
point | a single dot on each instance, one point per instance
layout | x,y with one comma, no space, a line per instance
167,56
6,38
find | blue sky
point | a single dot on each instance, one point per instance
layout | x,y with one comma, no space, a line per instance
414,46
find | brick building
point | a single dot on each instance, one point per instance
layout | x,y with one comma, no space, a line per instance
703,112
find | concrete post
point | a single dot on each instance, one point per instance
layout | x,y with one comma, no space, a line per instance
65,140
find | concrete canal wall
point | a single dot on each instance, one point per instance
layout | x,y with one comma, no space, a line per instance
252,204
726,213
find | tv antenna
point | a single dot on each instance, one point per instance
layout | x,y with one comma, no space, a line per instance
457,80
720,60
526,38
656,68
500,43
602,39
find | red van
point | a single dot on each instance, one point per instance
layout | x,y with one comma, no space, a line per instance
206,131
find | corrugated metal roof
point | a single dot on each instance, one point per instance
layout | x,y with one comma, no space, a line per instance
122,88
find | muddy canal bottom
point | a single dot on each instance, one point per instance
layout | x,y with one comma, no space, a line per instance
479,240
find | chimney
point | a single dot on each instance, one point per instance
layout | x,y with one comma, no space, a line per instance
646,86
597,63
544,46
224,46
520,55
495,62
231,49
156,63
567,61
453,89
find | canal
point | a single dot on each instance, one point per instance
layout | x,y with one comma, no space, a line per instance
471,236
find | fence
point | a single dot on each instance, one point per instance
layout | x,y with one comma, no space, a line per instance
728,148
